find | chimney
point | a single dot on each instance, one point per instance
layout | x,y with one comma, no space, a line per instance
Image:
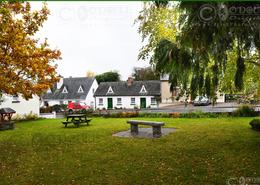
130,81
60,83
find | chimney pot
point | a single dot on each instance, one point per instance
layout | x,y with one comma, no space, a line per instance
130,81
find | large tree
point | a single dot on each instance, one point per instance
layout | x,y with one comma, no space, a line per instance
196,58
27,66
110,76
145,73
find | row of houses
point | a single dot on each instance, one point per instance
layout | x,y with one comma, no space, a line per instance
109,95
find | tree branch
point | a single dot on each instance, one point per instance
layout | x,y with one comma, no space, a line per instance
256,63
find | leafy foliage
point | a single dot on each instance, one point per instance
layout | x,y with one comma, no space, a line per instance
197,51
27,66
111,76
244,111
145,74
255,124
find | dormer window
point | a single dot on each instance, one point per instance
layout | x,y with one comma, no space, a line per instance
143,90
110,90
64,90
80,90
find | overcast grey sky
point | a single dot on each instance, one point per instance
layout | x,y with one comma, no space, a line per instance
96,36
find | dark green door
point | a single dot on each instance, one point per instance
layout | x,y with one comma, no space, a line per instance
143,103
109,103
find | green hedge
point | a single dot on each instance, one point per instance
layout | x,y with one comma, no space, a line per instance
255,124
245,111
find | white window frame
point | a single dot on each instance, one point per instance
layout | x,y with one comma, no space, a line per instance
132,102
153,101
100,101
143,90
80,90
65,90
119,102
15,99
110,90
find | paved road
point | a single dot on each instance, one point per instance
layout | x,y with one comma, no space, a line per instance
190,108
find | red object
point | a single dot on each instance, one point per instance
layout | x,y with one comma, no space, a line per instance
77,106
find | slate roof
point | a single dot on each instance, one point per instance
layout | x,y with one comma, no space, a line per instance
152,87
72,85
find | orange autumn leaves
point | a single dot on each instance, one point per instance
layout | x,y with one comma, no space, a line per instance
27,67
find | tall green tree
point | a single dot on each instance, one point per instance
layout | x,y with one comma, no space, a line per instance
197,51
111,76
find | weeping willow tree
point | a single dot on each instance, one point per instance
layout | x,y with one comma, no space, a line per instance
195,56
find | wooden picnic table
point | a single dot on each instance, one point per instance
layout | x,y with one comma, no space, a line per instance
76,119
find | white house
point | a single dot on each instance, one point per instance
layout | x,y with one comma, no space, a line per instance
20,105
80,89
129,94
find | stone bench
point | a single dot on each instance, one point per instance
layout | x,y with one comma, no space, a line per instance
156,126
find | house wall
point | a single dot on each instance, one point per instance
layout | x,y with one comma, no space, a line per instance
23,106
126,101
166,95
220,97
58,102
90,100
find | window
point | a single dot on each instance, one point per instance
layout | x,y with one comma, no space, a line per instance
119,101
132,101
80,90
153,101
143,90
64,90
93,90
15,99
46,104
100,101
110,90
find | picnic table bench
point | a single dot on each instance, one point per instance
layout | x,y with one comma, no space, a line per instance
76,119
156,126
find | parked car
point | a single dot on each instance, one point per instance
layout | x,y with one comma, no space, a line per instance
77,106
201,100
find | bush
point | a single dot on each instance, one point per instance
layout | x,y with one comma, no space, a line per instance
59,108
200,114
175,115
255,124
25,117
244,111
45,110
154,115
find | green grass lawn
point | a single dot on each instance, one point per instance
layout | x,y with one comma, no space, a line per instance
201,151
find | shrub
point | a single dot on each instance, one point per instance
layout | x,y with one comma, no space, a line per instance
200,114
154,115
175,115
59,108
25,117
30,116
255,124
244,111
45,110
